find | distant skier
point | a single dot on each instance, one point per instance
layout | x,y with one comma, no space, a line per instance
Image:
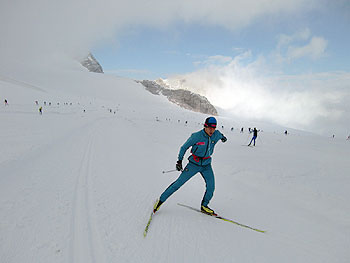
6,103
255,135
41,110
286,132
242,130
202,143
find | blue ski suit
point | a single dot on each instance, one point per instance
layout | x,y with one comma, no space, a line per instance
199,162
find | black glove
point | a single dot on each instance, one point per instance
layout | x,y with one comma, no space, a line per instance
179,165
223,139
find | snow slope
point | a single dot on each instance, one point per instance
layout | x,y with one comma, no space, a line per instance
79,186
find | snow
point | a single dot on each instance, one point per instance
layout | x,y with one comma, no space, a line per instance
79,186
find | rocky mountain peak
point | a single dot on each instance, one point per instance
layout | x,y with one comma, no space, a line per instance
184,98
91,63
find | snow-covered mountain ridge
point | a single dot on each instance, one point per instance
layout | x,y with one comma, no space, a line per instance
181,97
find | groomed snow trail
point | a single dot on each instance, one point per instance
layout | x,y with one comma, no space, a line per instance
86,246
48,212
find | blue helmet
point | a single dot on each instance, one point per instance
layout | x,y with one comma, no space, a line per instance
210,122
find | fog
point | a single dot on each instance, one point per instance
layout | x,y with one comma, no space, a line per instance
316,102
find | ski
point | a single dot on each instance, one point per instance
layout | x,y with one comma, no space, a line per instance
147,226
222,218
149,221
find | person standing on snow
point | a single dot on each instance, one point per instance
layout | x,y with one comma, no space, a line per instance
202,143
255,135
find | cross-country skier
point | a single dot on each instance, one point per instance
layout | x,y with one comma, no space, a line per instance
202,143
255,135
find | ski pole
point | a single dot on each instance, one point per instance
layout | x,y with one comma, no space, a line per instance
170,171
247,138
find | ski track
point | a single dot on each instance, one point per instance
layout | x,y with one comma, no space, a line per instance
85,244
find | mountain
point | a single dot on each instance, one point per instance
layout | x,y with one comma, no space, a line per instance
91,63
181,97
184,98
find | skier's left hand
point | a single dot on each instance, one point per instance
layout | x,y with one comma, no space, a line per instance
223,139
179,165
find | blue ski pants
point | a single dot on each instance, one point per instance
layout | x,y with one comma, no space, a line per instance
189,171
254,138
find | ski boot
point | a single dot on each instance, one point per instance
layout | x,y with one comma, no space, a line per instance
157,206
207,210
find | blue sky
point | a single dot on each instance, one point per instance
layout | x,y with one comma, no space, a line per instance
145,52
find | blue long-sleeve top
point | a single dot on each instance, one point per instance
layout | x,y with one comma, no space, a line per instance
202,147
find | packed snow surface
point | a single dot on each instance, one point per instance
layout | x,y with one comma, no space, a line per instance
78,182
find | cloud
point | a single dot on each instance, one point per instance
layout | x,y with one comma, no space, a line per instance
314,49
217,59
302,35
300,45
316,102
30,28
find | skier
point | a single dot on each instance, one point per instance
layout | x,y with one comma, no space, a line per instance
202,143
41,110
6,103
255,135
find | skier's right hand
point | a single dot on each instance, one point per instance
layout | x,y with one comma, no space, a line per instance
179,165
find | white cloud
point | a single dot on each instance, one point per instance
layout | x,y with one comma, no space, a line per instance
314,49
302,35
210,60
315,102
74,26
300,45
